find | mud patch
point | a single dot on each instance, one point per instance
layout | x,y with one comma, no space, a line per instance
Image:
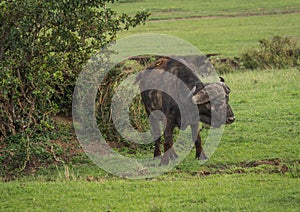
270,166
239,15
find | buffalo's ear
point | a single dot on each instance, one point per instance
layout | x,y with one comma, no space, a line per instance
208,93
201,97
222,83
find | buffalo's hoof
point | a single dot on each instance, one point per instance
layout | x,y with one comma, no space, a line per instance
164,161
201,156
157,154
158,157
170,154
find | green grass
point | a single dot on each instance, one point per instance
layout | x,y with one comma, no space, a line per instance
166,9
226,193
267,127
267,119
266,105
226,36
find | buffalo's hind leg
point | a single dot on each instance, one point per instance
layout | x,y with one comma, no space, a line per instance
200,155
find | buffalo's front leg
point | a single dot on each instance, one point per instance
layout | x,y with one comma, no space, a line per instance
168,145
155,131
200,155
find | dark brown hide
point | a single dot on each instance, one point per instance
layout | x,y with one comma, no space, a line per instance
169,86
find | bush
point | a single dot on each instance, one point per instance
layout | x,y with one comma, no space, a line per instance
276,53
138,115
43,46
225,65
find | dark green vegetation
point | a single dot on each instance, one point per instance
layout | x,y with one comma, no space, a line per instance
279,52
43,48
275,53
256,166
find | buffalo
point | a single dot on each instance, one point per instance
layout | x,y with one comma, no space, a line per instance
172,92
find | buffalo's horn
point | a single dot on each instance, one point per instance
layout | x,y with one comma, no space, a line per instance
191,92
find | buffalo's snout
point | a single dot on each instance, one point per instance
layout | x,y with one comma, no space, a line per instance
230,120
213,104
230,115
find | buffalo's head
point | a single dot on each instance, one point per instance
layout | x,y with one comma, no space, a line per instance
212,101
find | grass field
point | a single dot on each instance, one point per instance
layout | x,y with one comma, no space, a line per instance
225,36
228,36
259,192
168,9
257,164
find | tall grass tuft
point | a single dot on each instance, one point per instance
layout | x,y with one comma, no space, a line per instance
279,52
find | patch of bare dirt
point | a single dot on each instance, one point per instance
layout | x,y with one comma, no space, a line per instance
257,166
224,16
